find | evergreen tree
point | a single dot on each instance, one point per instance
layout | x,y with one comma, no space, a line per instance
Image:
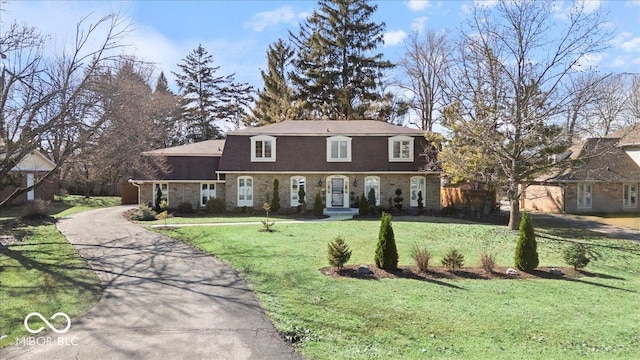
338,71
275,100
164,99
338,252
363,207
371,198
386,252
209,100
162,84
420,202
275,202
318,208
526,257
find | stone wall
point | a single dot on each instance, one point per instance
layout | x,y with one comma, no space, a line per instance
179,193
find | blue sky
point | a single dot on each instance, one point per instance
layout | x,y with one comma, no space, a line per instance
237,33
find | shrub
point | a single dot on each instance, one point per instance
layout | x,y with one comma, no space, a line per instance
371,199
275,202
37,209
453,260
398,199
338,252
386,256
363,209
302,200
420,202
488,261
318,208
158,199
526,256
576,256
144,213
421,256
216,206
185,208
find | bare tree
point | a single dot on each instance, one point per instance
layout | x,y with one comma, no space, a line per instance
426,65
50,99
508,84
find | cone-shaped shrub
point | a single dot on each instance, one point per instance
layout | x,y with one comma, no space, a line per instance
275,203
386,252
526,257
363,207
338,252
318,209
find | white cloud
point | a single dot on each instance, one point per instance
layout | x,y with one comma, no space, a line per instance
626,42
588,5
418,5
590,60
419,24
262,20
392,38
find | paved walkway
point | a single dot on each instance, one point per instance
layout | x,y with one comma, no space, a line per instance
599,227
162,300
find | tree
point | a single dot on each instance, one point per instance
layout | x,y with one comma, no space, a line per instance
275,101
526,256
302,195
337,70
318,208
275,202
507,85
426,65
420,202
338,252
167,112
209,100
50,99
371,199
386,252
363,206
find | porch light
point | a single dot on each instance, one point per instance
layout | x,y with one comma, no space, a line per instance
355,182
320,183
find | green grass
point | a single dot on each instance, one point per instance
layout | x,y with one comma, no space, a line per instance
40,271
209,219
596,316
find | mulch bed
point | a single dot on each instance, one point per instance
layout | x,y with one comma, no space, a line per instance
438,273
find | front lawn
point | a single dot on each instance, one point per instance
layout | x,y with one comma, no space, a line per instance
595,316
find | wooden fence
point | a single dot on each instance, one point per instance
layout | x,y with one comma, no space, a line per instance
468,200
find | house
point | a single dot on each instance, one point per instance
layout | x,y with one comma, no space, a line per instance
341,160
604,178
27,172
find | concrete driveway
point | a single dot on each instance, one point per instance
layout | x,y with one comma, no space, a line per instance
162,300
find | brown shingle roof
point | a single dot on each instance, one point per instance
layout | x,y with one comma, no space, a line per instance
202,148
629,135
329,128
600,159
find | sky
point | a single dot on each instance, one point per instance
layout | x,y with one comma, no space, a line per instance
237,33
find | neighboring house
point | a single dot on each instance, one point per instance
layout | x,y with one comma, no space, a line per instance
605,178
338,159
29,171
191,177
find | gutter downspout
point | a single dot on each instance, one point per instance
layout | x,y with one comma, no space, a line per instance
130,181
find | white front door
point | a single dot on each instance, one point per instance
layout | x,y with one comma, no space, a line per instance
338,191
30,181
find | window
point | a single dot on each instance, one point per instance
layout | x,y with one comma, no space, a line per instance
164,190
339,149
630,195
297,183
263,148
372,182
418,184
401,148
584,196
245,191
207,191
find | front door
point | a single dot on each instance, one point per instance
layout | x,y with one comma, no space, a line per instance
337,192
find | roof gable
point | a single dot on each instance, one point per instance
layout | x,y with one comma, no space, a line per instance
35,161
202,148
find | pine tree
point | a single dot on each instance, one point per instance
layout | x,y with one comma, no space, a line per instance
275,202
526,257
386,252
167,118
275,100
338,252
337,71
209,100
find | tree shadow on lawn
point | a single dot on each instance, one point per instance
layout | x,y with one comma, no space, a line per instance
377,274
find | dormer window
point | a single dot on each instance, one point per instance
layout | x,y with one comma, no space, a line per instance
339,149
401,148
263,148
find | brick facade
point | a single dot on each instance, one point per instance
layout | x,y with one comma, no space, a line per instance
179,193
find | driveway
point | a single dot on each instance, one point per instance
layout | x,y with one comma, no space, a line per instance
162,300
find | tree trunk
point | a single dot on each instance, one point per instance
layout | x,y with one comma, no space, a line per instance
514,214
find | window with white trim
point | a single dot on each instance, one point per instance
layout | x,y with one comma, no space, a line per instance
297,183
401,148
418,184
164,190
245,191
339,149
585,195
630,195
263,148
372,182
207,191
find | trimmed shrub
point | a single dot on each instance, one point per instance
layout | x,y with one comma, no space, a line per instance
363,209
488,261
453,260
576,256
420,202
185,208
318,208
36,209
526,256
144,213
386,256
398,199
338,252
275,202
421,256
158,199
302,208
216,206
371,199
